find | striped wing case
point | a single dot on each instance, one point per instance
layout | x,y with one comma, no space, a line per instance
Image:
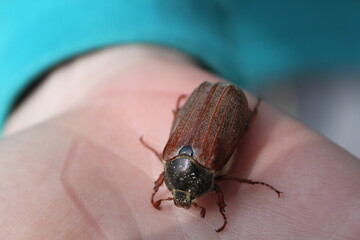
212,122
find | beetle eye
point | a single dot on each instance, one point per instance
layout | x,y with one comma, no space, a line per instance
186,150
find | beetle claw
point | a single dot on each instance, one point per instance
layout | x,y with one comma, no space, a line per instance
157,205
203,210
202,213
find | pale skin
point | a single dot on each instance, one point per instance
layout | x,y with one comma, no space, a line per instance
72,166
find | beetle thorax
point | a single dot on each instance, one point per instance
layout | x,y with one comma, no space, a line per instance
187,180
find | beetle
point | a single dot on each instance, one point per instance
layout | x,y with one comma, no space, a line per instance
204,135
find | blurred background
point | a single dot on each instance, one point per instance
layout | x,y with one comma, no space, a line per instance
328,103
301,56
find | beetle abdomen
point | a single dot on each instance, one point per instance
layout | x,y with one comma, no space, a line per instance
212,121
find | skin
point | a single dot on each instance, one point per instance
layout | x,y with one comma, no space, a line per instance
72,166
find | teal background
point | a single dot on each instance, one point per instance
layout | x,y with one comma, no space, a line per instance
248,42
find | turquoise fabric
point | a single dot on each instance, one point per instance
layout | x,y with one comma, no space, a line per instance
247,42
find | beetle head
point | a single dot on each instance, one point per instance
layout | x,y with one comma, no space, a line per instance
182,199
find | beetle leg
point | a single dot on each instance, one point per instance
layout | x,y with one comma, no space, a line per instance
181,97
252,114
242,180
151,149
221,203
158,184
203,210
158,202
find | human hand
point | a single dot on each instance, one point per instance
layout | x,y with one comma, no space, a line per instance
84,174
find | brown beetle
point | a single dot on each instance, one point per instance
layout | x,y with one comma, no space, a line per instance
204,135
